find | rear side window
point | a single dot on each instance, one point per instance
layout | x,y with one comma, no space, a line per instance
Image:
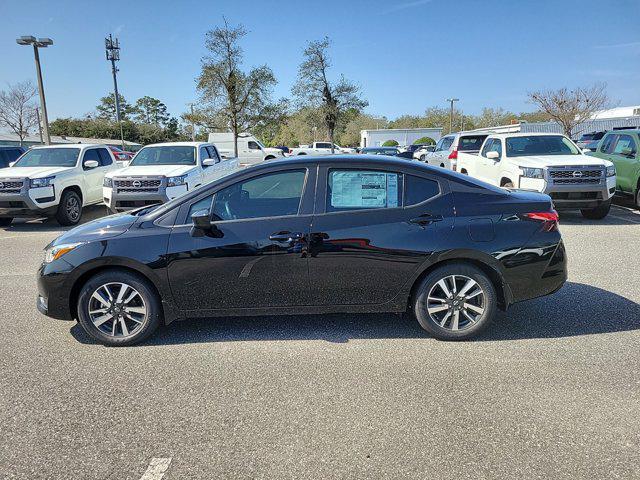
362,189
105,158
607,144
470,143
323,145
418,190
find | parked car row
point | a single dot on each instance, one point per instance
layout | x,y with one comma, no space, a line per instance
59,180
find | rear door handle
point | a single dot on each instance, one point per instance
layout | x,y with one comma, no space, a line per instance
286,236
426,219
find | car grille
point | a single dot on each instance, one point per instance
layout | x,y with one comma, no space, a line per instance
134,185
576,176
11,186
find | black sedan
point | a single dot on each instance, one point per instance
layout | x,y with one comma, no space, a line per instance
310,235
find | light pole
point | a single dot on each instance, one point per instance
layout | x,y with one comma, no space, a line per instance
39,43
112,48
451,101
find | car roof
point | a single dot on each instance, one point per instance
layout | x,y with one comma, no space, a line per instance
178,144
70,145
526,134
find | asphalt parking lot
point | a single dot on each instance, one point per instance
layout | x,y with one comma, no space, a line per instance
551,390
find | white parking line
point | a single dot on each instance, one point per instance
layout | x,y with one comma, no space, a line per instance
156,469
22,235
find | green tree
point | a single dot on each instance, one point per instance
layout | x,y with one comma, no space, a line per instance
314,90
151,111
350,136
424,141
107,108
233,99
390,143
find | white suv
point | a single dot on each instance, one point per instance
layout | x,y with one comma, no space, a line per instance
446,152
164,171
55,180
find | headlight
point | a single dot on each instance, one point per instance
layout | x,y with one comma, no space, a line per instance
41,182
57,251
107,182
611,171
532,172
176,181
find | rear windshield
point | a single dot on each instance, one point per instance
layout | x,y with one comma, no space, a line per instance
49,157
471,143
165,155
540,145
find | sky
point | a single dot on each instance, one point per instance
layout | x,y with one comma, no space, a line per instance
406,55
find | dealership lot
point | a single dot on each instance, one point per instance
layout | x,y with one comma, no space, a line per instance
551,390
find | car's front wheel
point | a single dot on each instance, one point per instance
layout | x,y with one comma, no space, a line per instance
119,308
597,213
455,302
69,209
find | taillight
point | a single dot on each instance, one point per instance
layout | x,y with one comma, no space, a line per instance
550,219
454,154
291,150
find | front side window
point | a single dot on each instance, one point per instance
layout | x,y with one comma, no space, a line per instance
487,147
165,155
607,144
445,145
625,146
540,145
253,145
49,157
200,205
91,154
213,154
271,195
362,189
323,145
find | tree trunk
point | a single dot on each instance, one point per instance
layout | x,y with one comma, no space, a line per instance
235,141
331,140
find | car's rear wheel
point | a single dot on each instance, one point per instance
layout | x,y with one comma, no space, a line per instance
455,302
597,213
5,221
423,158
119,308
70,209
638,199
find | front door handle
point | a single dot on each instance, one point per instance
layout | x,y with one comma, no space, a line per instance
286,236
426,219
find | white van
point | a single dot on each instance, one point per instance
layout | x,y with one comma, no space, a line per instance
250,150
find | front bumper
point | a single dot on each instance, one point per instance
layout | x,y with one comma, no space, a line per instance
569,192
26,202
54,291
120,199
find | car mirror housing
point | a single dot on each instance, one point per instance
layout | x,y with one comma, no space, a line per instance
91,164
208,162
493,155
203,225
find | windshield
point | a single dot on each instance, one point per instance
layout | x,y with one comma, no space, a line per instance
49,157
540,145
165,155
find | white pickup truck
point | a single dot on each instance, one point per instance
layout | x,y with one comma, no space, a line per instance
164,171
55,180
547,163
319,148
250,149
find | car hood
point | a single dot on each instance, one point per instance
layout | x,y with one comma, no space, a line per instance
152,171
99,229
32,172
557,161
274,151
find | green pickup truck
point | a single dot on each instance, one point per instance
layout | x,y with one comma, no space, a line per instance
622,148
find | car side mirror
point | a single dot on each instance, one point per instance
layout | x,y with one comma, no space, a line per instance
493,155
91,164
627,152
202,225
11,164
586,150
208,162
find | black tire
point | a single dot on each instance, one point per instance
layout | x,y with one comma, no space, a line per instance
269,158
597,213
141,329
423,158
301,153
638,198
70,209
486,302
508,185
5,221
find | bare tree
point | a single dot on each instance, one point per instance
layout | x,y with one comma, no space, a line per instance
571,108
313,88
236,100
17,109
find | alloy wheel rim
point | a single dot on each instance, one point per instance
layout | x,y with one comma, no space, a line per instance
456,302
117,309
72,207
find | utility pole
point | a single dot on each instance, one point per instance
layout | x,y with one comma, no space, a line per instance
451,101
39,43
39,124
193,125
112,48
